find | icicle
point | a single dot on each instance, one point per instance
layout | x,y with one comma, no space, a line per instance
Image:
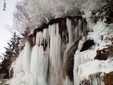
18,64
76,32
46,37
42,70
39,38
70,38
26,58
55,55
76,65
69,27
19,72
46,34
39,65
34,60
80,27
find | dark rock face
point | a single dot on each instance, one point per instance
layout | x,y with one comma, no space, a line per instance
43,26
87,45
32,40
108,78
104,53
6,76
68,67
101,55
53,21
60,21
63,31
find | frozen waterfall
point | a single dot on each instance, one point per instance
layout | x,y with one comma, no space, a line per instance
66,52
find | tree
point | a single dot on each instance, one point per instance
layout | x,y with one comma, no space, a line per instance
10,55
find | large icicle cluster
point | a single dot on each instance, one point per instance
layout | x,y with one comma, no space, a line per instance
66,51
48,55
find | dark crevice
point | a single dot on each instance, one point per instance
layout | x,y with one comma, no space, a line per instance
53,21
63,31
87,44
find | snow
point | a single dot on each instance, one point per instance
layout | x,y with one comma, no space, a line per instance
93,67
85,65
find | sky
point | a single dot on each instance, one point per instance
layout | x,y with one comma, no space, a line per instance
7,8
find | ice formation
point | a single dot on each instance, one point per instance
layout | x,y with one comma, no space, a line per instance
73,50
86,68
49,61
